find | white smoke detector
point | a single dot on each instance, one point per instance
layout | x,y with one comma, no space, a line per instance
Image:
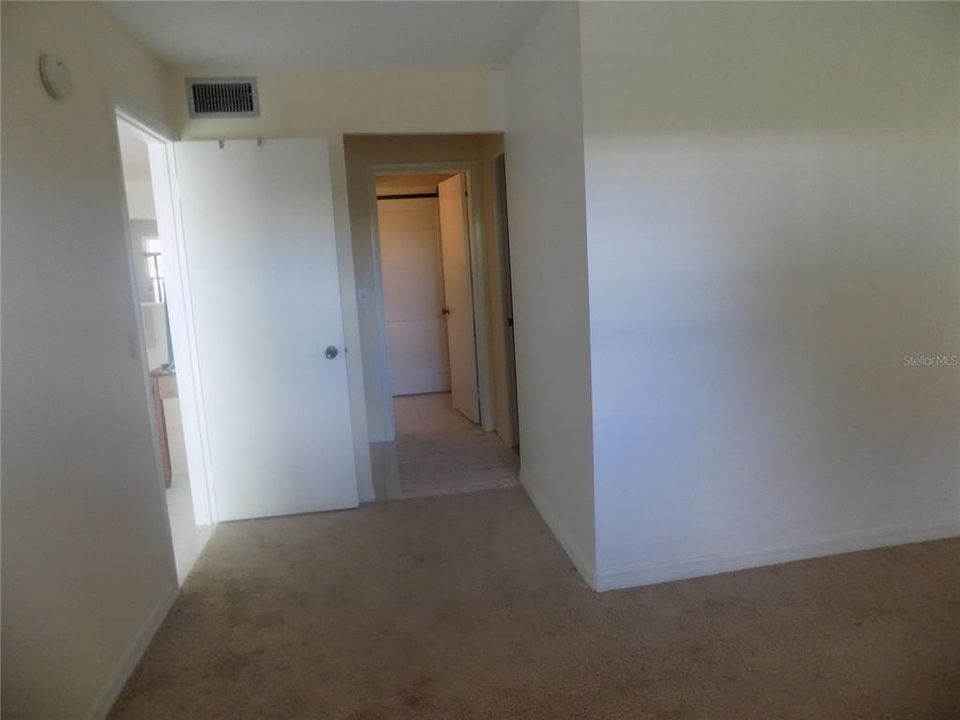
55,76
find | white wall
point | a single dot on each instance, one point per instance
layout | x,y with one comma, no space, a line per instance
155,333
544,156
140,231
135,160
140,200
88,566
329,104
413,293
772,206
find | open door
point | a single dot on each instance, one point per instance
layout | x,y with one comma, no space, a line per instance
258,234
458,296
506,283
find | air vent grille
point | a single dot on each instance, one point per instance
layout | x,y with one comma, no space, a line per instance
222,97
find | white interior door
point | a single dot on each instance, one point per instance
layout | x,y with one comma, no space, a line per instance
458,294
258,234
413,295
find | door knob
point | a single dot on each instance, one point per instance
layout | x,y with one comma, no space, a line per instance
445,311
331,352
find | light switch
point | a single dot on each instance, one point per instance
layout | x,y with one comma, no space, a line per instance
363,294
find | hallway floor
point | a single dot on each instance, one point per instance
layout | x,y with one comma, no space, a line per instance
464,607
438,451
428,414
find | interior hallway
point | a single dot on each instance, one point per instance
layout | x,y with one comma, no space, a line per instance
438,451
465,607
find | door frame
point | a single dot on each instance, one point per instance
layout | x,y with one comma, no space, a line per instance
160,140
506,295
471,172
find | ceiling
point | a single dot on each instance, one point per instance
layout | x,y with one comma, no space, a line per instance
339,35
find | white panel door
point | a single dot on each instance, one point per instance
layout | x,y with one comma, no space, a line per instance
261,254
458,292
413,295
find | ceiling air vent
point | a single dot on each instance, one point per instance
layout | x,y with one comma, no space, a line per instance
223,97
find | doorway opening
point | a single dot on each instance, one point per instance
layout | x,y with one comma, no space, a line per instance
427,223
506,301
428,297
157,292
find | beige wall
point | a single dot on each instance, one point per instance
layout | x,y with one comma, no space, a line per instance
548,247
329,104
364,152
772,205
502,385
88,567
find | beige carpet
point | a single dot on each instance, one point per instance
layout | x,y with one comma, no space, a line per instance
464,607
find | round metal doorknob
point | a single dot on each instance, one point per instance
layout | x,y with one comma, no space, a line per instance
331,352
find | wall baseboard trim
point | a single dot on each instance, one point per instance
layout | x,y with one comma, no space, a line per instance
685,568
111,691
583,565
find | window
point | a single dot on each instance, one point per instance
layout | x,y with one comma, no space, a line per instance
154,261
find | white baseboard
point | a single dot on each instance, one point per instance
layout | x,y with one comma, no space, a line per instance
108,695
684,568
583,564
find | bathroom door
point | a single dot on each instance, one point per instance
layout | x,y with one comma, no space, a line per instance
258,234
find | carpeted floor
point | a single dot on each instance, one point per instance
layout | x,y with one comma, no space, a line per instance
463,606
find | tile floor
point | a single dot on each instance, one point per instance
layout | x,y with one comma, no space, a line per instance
438,451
